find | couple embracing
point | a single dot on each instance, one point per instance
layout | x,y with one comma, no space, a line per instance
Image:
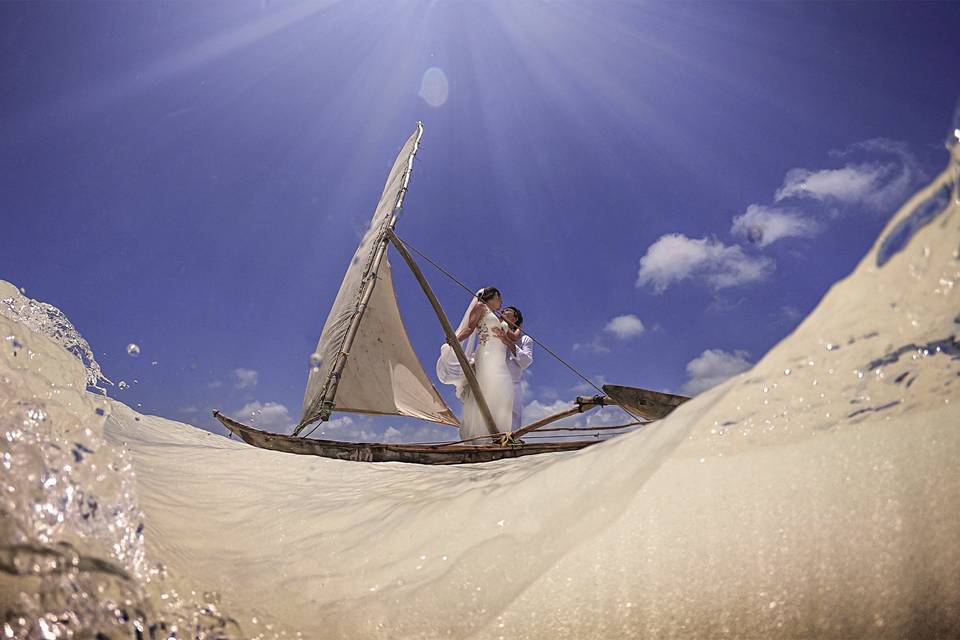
495,344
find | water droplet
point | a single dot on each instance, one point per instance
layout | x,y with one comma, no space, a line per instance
122,385
133,350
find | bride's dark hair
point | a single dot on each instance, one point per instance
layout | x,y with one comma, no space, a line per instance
488,293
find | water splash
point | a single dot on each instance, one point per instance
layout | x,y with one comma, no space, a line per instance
48,320
72,533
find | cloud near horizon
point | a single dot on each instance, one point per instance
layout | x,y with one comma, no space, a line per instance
712,367
270,416
675,257
604,416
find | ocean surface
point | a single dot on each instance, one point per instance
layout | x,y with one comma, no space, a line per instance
816,495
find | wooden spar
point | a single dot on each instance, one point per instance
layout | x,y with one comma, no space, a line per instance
545,421
448,330
583,404
369,282
651,405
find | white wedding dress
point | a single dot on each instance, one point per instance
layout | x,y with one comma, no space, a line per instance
496,383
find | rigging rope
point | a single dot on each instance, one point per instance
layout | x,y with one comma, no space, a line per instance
472,293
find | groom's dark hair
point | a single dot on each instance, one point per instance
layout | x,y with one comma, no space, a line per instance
516,312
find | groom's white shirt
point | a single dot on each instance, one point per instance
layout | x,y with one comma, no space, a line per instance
518,363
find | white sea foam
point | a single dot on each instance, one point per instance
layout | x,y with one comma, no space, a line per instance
823,502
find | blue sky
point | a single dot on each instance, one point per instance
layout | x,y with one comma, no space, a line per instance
665,189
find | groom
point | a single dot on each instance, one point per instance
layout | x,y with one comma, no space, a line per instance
519,357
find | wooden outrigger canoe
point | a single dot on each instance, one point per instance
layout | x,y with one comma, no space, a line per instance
364,363
650,405
445,453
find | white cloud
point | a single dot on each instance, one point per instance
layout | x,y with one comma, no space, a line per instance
419,433
851,184
606,417
536,410
763,225
603,416
712,367
346,429
594,346
363,429
625,326
271,416
875,185
246,378
675,257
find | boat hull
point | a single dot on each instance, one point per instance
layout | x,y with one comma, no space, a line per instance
452,453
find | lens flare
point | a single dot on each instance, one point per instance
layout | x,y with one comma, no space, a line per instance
434,88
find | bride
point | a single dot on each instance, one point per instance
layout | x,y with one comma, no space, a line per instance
484,342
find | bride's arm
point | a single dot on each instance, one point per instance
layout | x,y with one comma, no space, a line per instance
472,321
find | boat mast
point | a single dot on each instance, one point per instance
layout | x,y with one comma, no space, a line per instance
369,282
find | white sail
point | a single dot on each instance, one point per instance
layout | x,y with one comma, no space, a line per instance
382,374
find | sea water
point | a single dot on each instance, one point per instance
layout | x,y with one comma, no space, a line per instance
817,495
